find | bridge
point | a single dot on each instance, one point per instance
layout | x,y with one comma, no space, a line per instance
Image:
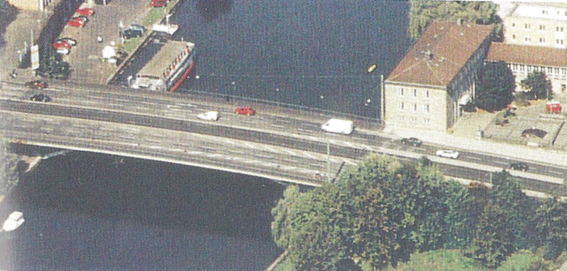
278,143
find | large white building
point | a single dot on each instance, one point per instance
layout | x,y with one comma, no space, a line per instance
537,24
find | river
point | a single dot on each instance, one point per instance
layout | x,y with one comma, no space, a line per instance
90,211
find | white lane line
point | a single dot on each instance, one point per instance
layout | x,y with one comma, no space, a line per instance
250,145
500,162
270,149
553,171
290,152
350,162
229,141
368,148
348,144
214,155
476,158
287,167
333,142
309,155
154,147
278,126
195,152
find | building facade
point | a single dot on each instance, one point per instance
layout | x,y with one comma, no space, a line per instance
523,60
34,5
431,85
537,24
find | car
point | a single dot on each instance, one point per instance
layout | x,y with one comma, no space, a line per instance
69,41
36,84
61,44
137,27
76,22
412,141
63,51
40,98
519,166
130,33
244,110
158,3
85,19
448,153
211,115
85,11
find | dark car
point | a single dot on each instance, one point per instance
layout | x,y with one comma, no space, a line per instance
519,166
412,141
131,33
36,84
40,98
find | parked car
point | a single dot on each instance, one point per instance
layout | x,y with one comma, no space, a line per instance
63,51
85,19
69,41
519,166
61,44
40,98
244,110
412,141
137,27
85,11
448,153
131,33
76,22
158,3
211,115
38,84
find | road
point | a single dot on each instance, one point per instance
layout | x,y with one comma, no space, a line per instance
289,132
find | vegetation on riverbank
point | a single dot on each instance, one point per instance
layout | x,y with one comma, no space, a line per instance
422,13
384,213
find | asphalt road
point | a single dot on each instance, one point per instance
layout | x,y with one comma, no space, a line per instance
178,113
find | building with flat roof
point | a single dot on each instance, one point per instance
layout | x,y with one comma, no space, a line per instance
523,60
430,86
537,24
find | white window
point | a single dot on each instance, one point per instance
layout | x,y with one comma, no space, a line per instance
414,92
541,40
522,67
426,93
527,39
513,37
400,118
549,70
541,27
414,108
527,26
426,121
559,29
401,106
426,108
401,92
543,11
413,119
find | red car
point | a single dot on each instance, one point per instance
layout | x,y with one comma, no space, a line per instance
76,22
85,11
158,3
38,84
246,110
61,44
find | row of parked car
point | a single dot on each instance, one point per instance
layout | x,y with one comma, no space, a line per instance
80,18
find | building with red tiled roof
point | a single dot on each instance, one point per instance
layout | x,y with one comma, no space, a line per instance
523,60
431,84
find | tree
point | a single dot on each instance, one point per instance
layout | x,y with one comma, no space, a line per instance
550,220
281,213
495,86
538,85
493,238
510,199
422,13
9,174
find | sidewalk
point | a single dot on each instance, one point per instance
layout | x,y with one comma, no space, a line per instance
470,143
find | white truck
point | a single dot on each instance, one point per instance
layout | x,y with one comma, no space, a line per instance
338,126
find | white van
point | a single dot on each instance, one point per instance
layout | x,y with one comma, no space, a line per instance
338,126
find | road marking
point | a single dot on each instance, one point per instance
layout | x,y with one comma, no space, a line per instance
272,150
154,147
250,145
556,172
194,152
229,141
289,151
475,158
278,126
368,148
309,155
500,162
348,144
350,162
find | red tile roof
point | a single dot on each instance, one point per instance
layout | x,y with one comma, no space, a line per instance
531,55
439,54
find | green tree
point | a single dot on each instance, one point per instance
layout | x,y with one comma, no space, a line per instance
281,213
493,241
520,210
538,85
51,66
551,226
494,87
9,174
422,13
